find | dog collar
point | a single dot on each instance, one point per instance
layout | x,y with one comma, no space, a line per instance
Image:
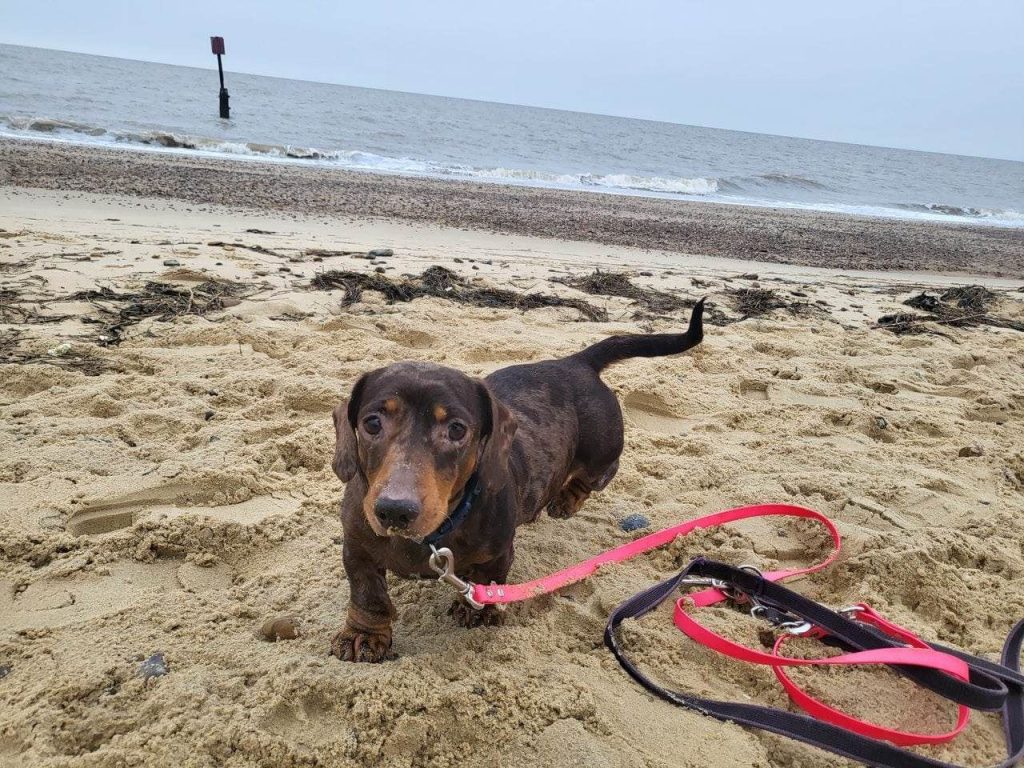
459,514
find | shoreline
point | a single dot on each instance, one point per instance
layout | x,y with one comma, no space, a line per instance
749,234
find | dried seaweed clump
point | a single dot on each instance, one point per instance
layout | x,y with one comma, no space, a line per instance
618,284
443,283
161,301
961,307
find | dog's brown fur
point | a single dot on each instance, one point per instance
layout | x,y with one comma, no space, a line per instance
411,435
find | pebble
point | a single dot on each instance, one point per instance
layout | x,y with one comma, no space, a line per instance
881,422
280,628
172,263
154,666
208,415
5,670
380,253
971,451
633,523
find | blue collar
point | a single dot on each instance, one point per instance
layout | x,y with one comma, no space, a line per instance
461,512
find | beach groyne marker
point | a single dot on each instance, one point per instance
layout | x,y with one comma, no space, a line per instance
217,46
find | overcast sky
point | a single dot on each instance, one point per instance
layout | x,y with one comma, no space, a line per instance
924,74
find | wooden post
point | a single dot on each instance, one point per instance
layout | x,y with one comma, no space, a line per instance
217,46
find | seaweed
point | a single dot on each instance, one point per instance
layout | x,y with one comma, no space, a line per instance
18,311
618,284
161,301
67,358
253,248
442,283
755,302
961,307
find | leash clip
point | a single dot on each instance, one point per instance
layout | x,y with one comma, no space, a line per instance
703,581
796,628
442,562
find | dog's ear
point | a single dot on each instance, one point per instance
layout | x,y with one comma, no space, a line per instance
346,452
499,427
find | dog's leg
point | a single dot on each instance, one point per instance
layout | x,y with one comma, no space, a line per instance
495,570
366,635
577,489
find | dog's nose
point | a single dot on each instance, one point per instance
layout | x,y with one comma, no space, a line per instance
396,513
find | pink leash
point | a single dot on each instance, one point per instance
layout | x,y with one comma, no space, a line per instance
915,653
493,594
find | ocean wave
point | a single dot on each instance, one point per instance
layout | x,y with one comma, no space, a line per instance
771,180
623,181
963,211
752,189
49,125
694,186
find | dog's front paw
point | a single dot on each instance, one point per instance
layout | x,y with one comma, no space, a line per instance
354,645
467,616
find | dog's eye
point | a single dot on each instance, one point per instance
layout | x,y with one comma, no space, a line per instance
456,431
372,425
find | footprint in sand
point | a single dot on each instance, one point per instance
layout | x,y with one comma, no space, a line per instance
498,353
124,511
411,338
753,389
649,411
60,601
311,717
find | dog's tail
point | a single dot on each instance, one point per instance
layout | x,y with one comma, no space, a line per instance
615,348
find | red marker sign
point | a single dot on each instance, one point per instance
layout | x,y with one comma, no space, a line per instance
217,45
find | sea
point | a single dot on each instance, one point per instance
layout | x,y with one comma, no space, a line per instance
97,100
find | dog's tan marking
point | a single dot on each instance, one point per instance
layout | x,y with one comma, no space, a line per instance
440,414
391,405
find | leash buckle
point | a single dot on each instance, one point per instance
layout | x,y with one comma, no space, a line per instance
442,562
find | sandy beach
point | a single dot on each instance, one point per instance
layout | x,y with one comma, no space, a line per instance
166,488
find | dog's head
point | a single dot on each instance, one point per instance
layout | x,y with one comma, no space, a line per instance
416,432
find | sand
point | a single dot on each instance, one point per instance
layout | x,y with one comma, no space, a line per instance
182,496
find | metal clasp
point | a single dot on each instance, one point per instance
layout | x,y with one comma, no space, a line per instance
703,581
442,562
798,628
737,596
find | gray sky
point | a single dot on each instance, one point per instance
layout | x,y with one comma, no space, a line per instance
924,74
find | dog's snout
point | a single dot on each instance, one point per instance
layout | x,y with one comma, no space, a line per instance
396,513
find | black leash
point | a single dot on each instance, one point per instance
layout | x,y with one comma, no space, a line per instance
991,687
